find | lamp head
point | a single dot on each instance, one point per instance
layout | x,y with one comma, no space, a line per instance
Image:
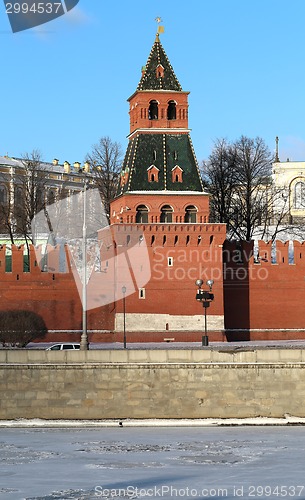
199,283
210,283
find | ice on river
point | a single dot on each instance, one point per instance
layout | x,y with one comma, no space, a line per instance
152,462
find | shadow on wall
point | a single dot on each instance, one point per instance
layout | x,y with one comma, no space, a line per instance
19,327
236,256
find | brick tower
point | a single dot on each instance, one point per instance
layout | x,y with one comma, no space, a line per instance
161,194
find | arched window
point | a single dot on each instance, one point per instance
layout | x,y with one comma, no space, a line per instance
299,195
166,214
142,214
3,195
153,110
190,214
171,110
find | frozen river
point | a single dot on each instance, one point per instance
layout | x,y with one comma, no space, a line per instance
149,462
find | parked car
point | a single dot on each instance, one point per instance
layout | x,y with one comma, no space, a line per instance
62,347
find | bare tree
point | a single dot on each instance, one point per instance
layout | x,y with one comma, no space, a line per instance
25,197
238,177
29,197
106,159
219,179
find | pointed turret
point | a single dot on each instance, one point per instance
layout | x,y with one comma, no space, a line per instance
158,74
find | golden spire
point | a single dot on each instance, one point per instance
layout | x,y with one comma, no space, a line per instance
160,28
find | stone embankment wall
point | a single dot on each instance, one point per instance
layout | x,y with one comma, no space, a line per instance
115,384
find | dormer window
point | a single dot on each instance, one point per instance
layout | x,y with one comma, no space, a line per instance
177,174
160,71
171,110
153,173
153,110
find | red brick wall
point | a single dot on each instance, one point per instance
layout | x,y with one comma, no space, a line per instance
265,298
52,295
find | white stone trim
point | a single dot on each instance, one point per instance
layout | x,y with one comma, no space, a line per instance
137,322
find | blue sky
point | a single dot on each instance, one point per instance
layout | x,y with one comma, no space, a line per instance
65,84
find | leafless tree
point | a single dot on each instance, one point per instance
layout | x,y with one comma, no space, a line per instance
106,159
25,197
219,179
238,177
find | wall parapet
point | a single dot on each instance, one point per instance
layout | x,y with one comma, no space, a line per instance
150,356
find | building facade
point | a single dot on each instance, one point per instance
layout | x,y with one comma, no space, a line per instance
50,182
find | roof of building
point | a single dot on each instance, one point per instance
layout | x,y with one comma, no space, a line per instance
164,151
150,79
7,161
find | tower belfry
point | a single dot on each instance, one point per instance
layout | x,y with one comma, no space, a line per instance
160,160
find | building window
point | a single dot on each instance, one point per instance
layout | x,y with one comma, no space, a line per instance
141,293
51,197
299,195
142,214
153,110
18,192
170,261
171,110
190,214
166,214
3,195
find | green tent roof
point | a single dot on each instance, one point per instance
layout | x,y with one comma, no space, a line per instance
164,151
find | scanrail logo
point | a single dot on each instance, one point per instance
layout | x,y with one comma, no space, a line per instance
107,262
24,15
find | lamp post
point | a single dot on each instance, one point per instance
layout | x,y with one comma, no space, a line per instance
124,314
84,344
205,297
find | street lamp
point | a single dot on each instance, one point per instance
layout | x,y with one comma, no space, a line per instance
84,344
124,314
205,297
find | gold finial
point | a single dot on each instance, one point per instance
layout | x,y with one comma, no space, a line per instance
160,28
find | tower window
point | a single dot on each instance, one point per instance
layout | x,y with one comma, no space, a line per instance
160,71
170,261
142,214
177,174
153,110
166,214
153,174
190,214
141,293
171,110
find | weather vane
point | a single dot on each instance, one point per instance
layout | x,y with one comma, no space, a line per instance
160,28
